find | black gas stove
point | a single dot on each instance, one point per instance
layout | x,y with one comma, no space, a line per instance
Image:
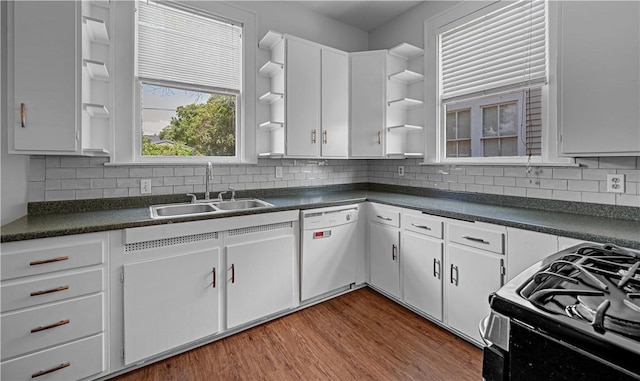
574,315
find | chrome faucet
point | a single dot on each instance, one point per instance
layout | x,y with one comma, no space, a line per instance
207,180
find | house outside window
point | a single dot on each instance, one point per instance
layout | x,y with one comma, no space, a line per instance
492,74
189,72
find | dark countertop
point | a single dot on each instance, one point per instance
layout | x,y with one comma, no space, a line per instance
598,228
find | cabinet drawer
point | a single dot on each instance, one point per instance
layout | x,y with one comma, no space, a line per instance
476,237
41,327
384,215
423,224
73,361
49,257
50,289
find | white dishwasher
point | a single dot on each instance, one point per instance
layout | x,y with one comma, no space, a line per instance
328,259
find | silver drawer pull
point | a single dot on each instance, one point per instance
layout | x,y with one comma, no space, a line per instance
384,218
454,279
394,252
436,264
44,261
42,292
43,372
421,226
480,240
58,324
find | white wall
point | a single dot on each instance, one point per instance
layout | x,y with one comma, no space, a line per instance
285,17
13,193
408,27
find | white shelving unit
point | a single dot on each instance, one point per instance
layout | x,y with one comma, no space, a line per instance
271,117
97,70
404,114
96,30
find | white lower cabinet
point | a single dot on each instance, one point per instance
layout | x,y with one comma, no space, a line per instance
54,308
527,247
422,273
170,301
384,248
260,278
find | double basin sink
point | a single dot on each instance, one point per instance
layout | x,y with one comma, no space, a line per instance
204,208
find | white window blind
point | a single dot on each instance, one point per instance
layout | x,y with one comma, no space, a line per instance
501,50
183,46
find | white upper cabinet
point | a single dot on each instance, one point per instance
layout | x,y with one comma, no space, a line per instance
61,85
308,99
599,57
387,113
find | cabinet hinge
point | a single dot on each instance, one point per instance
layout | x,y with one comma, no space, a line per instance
121,276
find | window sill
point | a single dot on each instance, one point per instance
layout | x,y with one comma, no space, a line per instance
506,162
195,163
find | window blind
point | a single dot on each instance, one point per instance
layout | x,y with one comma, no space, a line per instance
187,47
501,50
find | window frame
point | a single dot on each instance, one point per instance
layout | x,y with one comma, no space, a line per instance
127,137
435,134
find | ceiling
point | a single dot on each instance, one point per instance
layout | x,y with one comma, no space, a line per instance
364,15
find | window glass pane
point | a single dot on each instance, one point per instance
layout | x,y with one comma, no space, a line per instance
451,125
509,146
490,121
490,147
464,124
464,148
508,119
178,122
451,149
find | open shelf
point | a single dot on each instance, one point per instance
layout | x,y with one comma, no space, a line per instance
269,125
270,40
271,154
96,110
404,155
270,68
404,128
406,51
97,70
406,76
97,29
101,3
270,97
406,103
95,152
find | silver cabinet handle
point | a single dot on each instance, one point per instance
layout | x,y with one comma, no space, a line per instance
214,278
383,218
421,226
43,372
394,252
454,280
313,136
480,240
23,115
379,137
233,273
324,136
436,273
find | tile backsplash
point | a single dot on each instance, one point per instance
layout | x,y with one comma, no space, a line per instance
53,178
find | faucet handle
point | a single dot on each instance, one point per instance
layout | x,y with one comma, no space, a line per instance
193,197
233,193
220,195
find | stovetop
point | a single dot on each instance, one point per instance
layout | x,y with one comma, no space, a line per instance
587,295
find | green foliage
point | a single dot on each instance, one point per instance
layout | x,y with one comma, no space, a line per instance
208,128
150,149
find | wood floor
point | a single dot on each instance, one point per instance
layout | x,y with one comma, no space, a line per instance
358,336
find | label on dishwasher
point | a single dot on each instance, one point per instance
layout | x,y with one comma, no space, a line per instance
322,234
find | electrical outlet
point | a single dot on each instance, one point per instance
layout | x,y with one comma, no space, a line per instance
278,172
145,186
615,183
401,170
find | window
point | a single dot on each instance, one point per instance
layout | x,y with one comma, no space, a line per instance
189,72
492,82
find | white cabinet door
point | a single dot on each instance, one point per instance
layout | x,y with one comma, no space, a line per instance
303,99
526,247
599,77
45,63
368,70
335,104
471,276
422,273
260,278
169,302
383,258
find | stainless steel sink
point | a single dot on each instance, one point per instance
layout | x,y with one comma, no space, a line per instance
241,204
181,210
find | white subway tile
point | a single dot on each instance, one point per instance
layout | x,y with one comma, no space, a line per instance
162,172
36,170
618,162
628,200
84,194
583,185
599,198
59,195
539,193
553,184
74,161
567,173
90,173
115,192
567,195
116,172
35,191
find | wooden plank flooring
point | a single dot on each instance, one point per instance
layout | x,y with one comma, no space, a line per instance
358,336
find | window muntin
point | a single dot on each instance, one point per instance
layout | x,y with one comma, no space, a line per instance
189,70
